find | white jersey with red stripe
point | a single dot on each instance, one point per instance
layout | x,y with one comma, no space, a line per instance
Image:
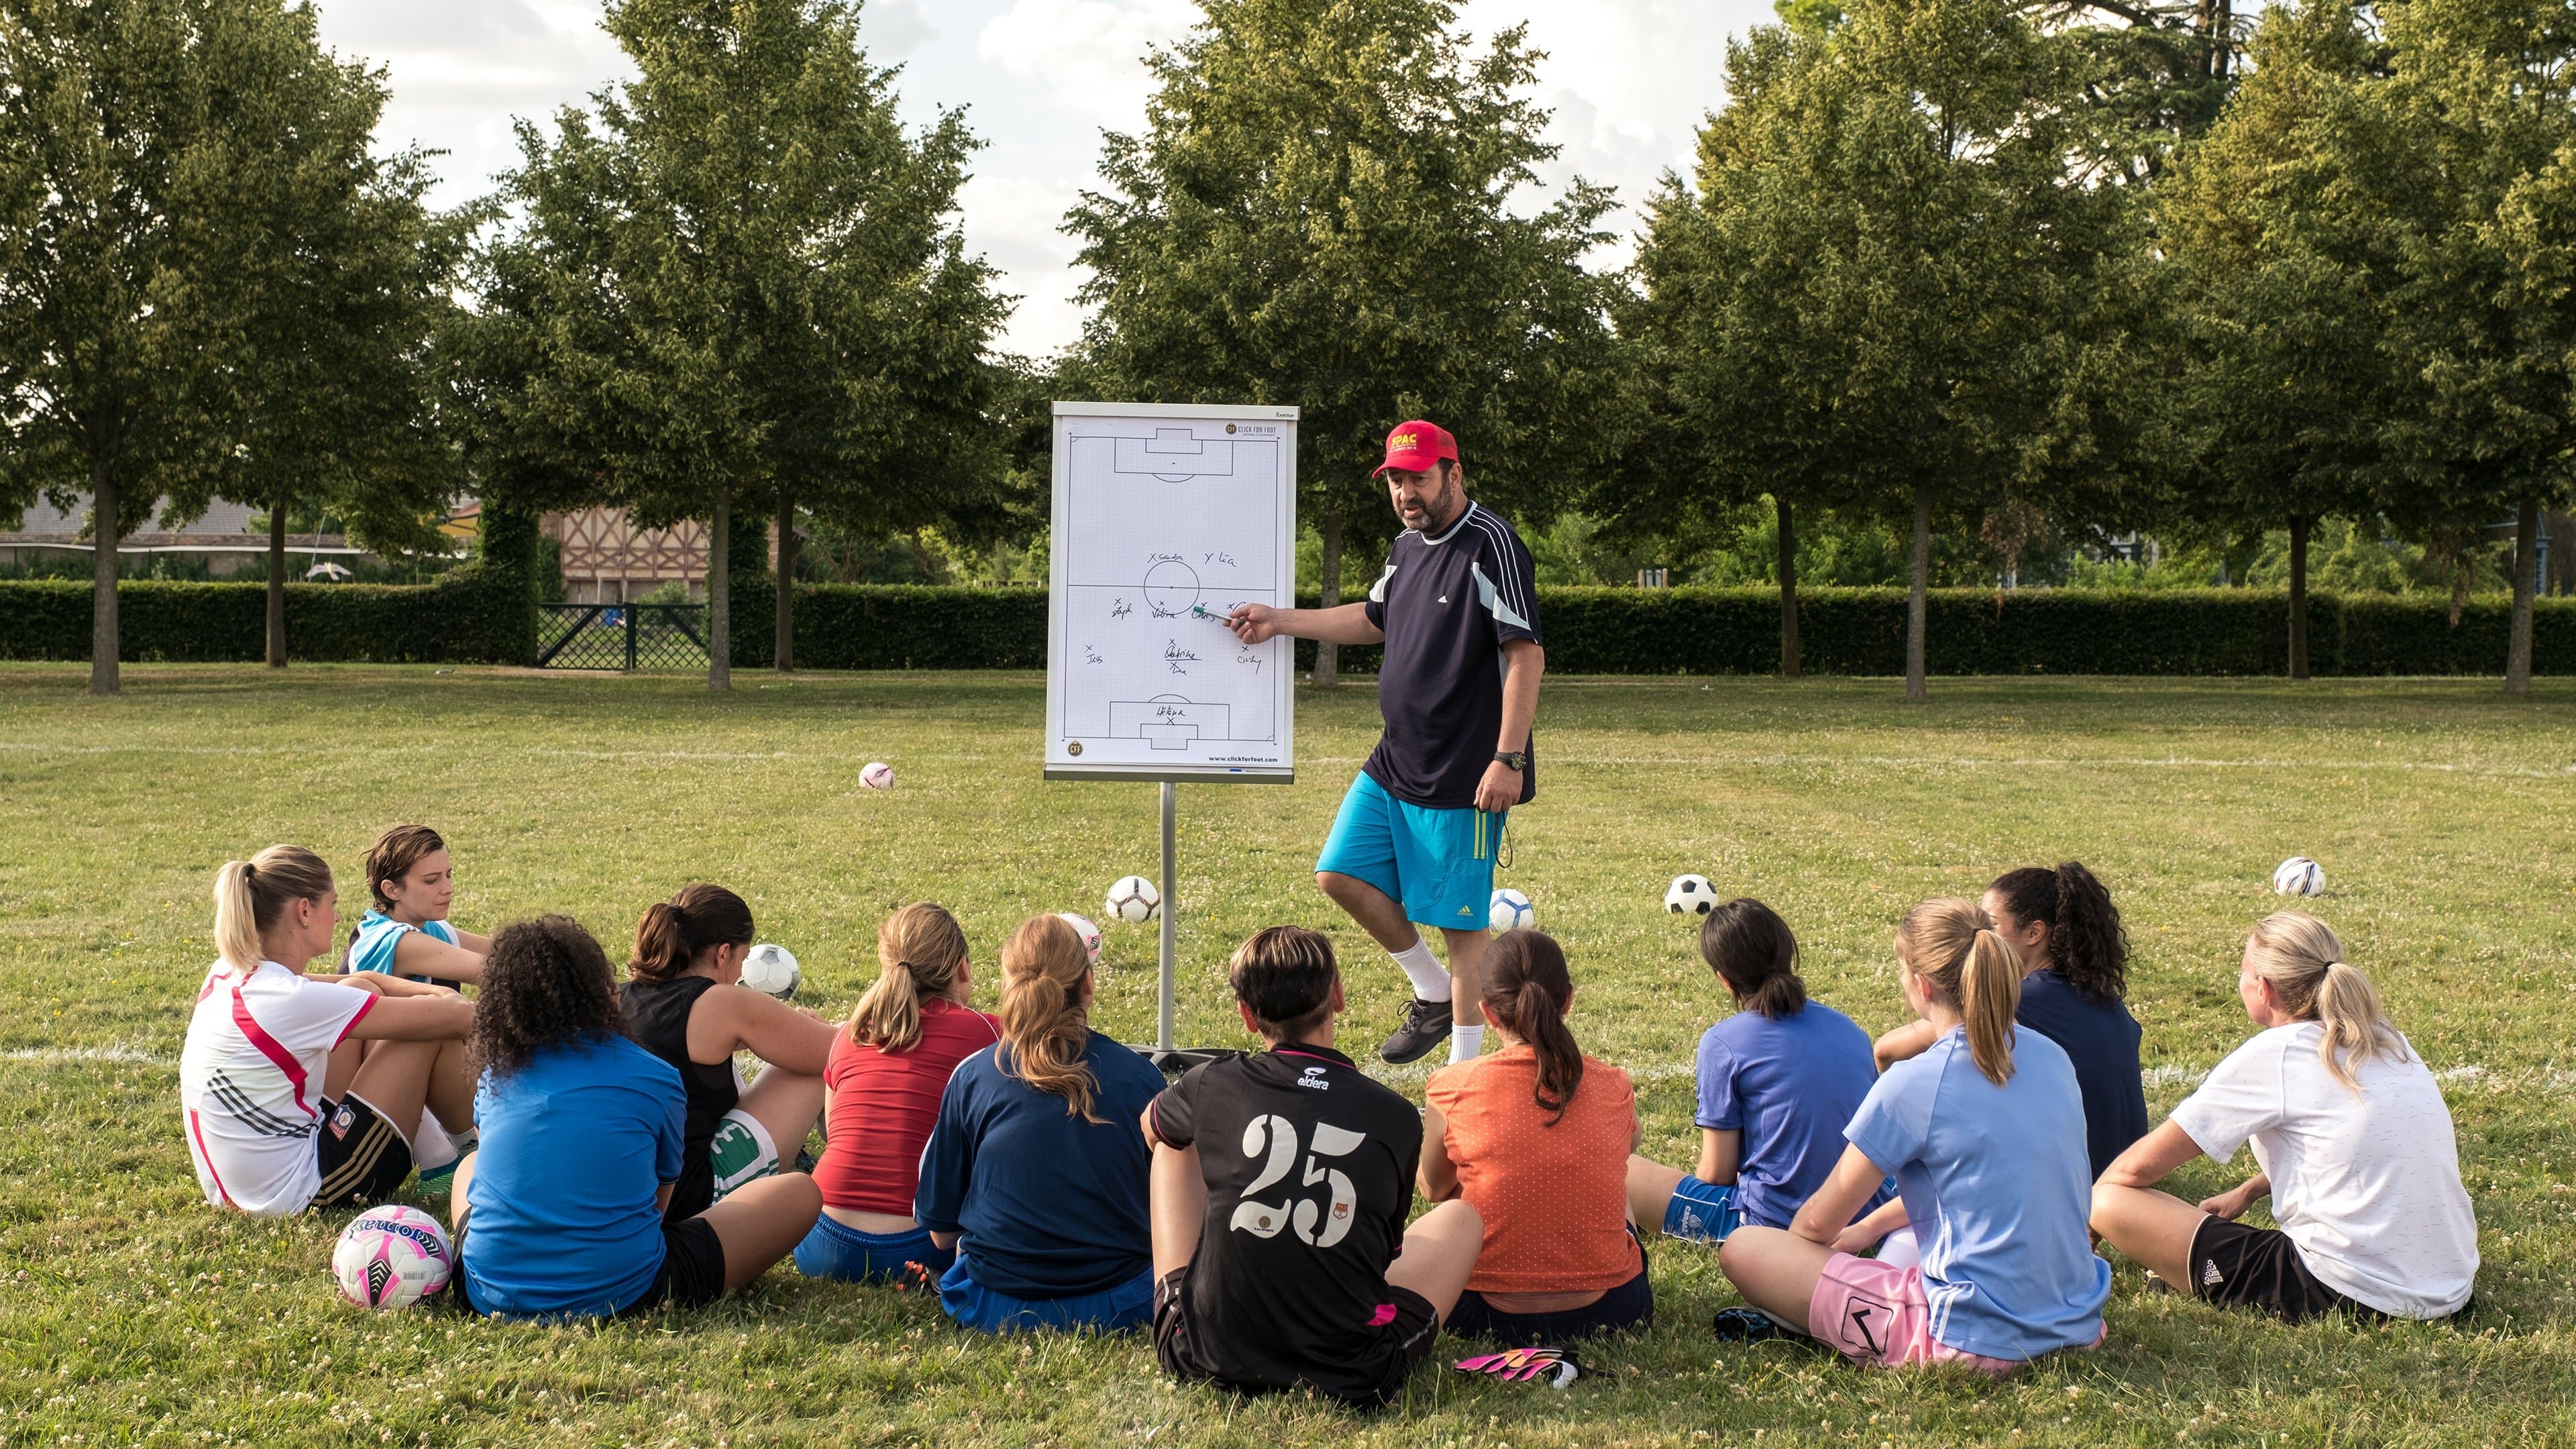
250,1082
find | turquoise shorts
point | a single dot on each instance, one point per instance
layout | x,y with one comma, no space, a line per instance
1438,863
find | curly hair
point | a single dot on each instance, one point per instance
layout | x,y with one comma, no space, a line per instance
547,983
2085,940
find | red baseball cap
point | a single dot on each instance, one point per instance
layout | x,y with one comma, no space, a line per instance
1413,447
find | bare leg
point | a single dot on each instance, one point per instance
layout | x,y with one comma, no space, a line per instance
761,1222
1466,975
1439,1254
1179,1195
2154,1228
788,1104
1650,1191
456,1191
1378,913
1776,1271
342,1069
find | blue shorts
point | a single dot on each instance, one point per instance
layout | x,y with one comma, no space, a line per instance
1702,1210
837,1250
1438,863
1113,1310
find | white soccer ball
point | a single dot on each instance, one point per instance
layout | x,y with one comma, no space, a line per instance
1089,933
2299,876
877,775
770,969
1132,898
1509,910
392,1257
1690,895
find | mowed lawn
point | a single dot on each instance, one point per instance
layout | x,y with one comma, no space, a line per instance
131,1312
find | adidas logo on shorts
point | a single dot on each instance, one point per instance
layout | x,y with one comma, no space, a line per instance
2210,1277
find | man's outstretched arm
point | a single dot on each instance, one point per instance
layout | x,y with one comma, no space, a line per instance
1341,624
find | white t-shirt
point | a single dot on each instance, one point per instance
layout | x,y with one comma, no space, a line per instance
2366,1183
250,1083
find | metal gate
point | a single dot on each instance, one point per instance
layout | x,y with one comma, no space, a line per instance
622,636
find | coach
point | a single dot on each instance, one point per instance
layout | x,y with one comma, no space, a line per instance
1458,690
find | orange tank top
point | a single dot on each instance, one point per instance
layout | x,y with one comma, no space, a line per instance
1554,1198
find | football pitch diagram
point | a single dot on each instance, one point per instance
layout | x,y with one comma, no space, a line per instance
1166,519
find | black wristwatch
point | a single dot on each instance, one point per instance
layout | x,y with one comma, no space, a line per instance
1517,759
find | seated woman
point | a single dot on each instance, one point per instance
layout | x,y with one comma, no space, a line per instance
1537,1138
406,932
685,948
1778,1080
2352,1142
890,1065
1035,1172
301,1091
1984,1134
560,1212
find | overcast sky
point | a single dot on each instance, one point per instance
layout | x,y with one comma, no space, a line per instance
1628,80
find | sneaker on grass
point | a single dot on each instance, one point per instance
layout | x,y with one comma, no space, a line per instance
1426,1025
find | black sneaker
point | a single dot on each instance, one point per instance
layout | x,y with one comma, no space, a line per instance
1426,1025
1746,1325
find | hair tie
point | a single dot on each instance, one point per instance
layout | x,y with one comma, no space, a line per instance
249,870
1073,998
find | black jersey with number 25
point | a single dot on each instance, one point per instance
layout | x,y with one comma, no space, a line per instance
1309,1168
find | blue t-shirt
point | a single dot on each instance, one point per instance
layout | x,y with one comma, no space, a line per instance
1789,1086
2102,1040
372,949
1994,1183
575,1146
1045,1204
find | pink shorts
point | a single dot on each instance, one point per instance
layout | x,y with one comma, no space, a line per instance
1876,1313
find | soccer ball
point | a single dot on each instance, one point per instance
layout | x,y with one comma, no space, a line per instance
1509,911
2299,876
877,775
1089,933
770,969
1132,898
392,1257
1690,895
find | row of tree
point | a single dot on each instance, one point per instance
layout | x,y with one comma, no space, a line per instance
2001,265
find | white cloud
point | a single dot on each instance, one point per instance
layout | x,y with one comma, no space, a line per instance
1087,54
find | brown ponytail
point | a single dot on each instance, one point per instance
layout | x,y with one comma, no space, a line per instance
675,933
251,894
2303,959
1527,989
1751,949
1043,1019
919,951
1951,947
2085,943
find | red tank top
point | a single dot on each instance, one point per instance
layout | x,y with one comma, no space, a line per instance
883,1105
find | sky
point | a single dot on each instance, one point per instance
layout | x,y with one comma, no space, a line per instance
1628,81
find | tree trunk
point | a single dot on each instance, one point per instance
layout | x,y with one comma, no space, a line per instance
1329,579
1788,589
1915,601
719,592
104,535
2526,544
2300,523
786,571
277,583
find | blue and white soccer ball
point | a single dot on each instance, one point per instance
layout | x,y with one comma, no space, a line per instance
392,1257
1690,895
2299,876
1510,910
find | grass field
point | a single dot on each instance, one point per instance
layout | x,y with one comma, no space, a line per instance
131,1313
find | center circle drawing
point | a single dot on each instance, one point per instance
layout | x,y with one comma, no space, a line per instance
1171,587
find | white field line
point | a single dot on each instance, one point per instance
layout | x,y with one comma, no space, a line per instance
64,1056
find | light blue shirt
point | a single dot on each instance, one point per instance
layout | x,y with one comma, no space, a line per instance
1789,1086
372,949
1997,1186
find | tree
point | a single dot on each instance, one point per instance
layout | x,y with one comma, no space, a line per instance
150,152
1319,213
744,286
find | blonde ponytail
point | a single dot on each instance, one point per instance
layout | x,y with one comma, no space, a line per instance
1043,1019
919,952
1951,946
251,894
2303,960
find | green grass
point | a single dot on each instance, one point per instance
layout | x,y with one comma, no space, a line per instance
130,1312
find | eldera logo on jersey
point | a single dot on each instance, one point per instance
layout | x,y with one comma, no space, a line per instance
1314,1077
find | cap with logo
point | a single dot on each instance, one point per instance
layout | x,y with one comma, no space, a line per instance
1413,447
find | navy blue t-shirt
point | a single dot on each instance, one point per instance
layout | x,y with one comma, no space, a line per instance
1447,605
1045,1205
2102,1040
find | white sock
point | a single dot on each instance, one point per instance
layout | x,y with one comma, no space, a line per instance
1465,1042
1430,979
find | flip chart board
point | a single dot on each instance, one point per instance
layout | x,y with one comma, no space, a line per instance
1165,517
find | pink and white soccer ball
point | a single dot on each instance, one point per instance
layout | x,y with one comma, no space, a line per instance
877,775
1089,933
392,1257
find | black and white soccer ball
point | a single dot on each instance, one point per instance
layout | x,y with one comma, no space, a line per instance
1133,899
770,969
2299,876
1690,895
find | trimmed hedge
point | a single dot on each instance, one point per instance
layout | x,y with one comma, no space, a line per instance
468,616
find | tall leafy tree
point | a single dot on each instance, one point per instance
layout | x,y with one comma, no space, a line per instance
741,284
1319,212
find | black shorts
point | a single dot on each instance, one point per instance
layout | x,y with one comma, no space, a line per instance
2235,1266
1630,1305
1369,1379
692,1272
364,1158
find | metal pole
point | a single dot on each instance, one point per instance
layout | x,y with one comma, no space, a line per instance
1171,905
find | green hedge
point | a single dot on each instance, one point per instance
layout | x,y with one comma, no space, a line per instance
469,616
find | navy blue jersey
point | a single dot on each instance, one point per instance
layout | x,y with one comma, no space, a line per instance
1448,604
